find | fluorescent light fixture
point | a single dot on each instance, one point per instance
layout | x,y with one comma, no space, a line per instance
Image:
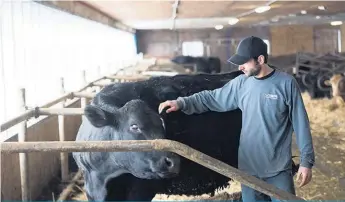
335,23
317,17
233,21
262,9
275,19
218,27
321,7
303,12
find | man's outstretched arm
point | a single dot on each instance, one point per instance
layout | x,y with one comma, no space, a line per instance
220,100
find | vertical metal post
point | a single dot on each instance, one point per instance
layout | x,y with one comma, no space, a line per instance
23,157
63,156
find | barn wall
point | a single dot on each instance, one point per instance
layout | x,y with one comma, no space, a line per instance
166,43
38,48
287,40
284,41
326,39
43,167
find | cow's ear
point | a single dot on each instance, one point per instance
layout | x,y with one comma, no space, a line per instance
96,116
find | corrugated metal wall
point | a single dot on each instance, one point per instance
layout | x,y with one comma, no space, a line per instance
39,45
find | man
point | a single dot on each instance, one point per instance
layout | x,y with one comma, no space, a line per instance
272,109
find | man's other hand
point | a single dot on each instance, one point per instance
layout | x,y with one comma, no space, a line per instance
304,175
170,103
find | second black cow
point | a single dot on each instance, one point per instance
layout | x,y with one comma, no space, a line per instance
203,64
129,111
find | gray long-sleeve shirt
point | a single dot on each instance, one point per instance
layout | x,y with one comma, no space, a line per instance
272,109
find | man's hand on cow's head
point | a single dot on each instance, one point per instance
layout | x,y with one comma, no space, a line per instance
304,174
172,104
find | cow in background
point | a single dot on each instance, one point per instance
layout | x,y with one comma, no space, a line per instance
203,64
337,82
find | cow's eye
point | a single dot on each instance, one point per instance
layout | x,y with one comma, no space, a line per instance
135,128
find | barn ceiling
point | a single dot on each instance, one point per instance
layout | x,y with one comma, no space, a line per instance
184,14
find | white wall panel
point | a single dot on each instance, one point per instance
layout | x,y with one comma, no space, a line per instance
39,45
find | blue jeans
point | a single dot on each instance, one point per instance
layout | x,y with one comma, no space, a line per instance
284,181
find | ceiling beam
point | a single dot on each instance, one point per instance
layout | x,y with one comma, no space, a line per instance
253,10
87,11
305,19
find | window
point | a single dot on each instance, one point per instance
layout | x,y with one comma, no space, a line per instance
268,46
193,48
339,40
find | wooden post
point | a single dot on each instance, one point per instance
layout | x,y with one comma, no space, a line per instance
63,156
23,157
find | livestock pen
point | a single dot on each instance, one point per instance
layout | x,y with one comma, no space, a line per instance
45,45
24,175
30,176
55,133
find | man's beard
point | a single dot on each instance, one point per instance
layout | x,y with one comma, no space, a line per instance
255,71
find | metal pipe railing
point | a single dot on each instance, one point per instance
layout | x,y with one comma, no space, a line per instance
128,78
45,110
84,95
23,157
141,145
149,145
31,112
60,111
16,120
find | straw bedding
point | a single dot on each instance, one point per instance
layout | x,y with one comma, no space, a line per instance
328,130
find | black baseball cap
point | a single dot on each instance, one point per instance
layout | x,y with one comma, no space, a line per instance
247,49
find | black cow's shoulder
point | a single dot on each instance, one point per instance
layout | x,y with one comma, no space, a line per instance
159,89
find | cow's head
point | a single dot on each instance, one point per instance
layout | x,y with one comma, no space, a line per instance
136,121
334,80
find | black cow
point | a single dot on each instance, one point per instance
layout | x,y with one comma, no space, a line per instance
215,64
129,111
